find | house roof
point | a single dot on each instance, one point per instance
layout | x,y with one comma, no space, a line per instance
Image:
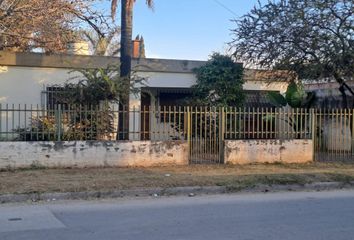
21,59
68,61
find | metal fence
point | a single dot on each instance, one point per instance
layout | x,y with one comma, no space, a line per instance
104,122
204,127
108,122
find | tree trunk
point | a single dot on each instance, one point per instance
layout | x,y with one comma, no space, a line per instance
126,38
344,97
344,86
126,57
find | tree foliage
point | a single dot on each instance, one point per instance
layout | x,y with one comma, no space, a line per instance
313,38
93,86
219,82
295,97
29,24
103,45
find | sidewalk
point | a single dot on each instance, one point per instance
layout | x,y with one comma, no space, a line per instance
119,182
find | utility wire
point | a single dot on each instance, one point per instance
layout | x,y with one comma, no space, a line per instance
226,8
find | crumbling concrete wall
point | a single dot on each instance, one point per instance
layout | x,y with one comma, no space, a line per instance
93,154
268,151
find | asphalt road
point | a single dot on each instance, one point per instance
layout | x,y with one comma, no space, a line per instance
321,215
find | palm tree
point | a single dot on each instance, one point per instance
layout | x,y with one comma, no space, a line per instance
126,35
126,47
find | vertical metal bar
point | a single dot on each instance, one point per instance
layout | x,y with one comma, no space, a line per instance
25,117
313,124
352,135
13,121
201,139
152,115
320,120
261,119
240,127
276,118
31,124
341,132
211,134
1,116
179,123
288,126
331,126
143,137
253,123
58,123
174,116
271,123
37,119
189,140
235,123
345,152
338,133
222,137
205,133
305,122
19,120
266,123
196,138
248,123
102,121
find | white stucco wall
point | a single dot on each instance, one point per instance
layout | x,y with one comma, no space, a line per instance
168,80
268,151
93,154
20,85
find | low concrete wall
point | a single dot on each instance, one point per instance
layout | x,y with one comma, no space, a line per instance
268,151
93,154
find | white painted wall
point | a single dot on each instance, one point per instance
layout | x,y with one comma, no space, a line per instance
93,154
268,151
168,80
20,85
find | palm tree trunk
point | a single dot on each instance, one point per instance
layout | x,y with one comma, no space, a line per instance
126,56
126,38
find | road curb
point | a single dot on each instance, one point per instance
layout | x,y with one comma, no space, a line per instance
176,191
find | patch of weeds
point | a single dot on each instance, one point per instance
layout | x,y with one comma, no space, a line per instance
283,179
36,166
8,169
337,177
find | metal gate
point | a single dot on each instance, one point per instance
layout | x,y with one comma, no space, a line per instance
333,138
205,133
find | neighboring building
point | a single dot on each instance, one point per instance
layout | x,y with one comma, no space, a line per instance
328,94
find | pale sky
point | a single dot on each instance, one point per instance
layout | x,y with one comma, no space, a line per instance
187,29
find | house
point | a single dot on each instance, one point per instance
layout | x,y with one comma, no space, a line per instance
24,77
28,78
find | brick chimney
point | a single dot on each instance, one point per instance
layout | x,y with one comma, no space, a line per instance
138,47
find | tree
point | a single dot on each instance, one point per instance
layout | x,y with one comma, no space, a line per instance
313,38
126,44
219,83
103,45
29,24
126,36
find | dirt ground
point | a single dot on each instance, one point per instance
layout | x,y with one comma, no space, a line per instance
109,179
